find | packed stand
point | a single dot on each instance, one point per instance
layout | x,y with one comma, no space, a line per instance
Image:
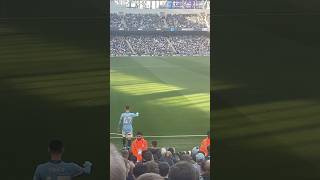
143,21
156,45
141,162
186,21
191,45
116,21
119,46
151,22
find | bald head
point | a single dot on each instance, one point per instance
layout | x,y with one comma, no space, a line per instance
117,165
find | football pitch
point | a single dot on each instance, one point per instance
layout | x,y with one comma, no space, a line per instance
172,95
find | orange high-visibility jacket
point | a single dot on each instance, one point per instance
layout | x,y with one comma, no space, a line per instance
139,145
204,144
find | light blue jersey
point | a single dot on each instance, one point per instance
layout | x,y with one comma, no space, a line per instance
126,121
59,170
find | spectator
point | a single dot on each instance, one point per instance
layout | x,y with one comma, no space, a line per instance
199,159
139,145
183,171
56,168
186,157
164,170
132,158
129,164
147,156
139,169
167,158
194,152
205,143
205,170
155,151
117,165
158,45
150,176
152,167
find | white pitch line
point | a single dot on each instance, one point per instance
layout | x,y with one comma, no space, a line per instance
173,136
116,134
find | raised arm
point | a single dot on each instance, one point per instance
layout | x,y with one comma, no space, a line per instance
134,114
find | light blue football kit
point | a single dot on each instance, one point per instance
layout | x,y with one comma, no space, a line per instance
126,119
60,170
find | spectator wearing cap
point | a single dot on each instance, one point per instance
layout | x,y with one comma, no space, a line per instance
199,159
194,152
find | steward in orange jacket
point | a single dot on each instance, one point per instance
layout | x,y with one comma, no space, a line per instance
139,145
204,144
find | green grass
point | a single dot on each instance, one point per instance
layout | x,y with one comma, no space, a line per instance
170,93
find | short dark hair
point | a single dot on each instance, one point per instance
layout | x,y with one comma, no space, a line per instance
152,167
139,169
183,171
139,133
164,169
127,107
154,143
56,146
147,155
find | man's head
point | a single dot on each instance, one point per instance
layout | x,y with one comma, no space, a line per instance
139,135
150,176
154,143
117,165
139,169
56,147
208,134
152,167
183,171
127,108
164,169
147,155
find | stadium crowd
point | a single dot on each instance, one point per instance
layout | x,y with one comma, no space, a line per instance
141,162
157,45
155,21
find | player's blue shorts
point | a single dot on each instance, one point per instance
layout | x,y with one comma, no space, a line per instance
127,131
